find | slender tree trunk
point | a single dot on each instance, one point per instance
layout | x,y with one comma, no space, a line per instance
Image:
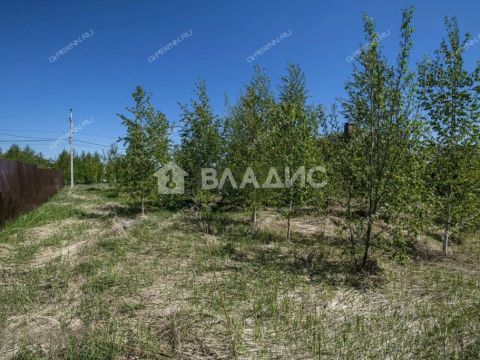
254,215
368,239
325,216
350,229
143,207
447,230
368,235
289,217
289,229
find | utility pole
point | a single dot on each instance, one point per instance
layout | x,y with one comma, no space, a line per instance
71,149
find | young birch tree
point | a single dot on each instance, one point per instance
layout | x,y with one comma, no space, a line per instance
201,142
293,135
380,172
246,140
146,145
450,97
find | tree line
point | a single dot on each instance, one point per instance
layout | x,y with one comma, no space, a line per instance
89,167
408,154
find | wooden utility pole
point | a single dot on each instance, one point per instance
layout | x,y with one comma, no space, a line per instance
71,149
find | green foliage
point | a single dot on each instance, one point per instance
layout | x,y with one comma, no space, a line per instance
293,139
63,163
450,97
89,168
114,167
147,147
410,154
188,284
247,131
26,155
201,142
380,170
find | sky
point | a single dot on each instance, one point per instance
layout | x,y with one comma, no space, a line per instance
116,43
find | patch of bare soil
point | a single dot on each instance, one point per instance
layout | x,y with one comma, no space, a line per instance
66,251
109,208
268,219
39,233
304,225
162,299
96,231
44,232
79,197
352,302
117,226
5,251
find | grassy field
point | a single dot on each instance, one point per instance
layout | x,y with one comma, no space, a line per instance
78,284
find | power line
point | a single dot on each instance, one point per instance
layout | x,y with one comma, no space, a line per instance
101,136
24,140
31,131
90,143
26,137
25,144
35,142
77,133
11,141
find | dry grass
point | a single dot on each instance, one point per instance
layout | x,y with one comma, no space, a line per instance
85,287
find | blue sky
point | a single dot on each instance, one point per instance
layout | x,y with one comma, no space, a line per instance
97,76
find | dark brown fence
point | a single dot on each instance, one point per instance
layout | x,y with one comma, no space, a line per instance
23,187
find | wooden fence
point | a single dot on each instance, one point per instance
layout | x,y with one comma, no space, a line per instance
23,187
